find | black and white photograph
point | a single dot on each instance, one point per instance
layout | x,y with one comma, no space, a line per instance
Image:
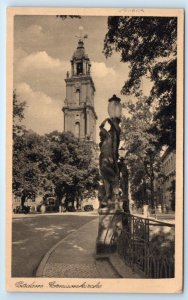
95,150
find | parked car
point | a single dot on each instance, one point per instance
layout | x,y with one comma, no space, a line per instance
88,207
49,204
21,209
71,208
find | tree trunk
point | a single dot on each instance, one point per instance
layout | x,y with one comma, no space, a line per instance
152,186
23,199
145,197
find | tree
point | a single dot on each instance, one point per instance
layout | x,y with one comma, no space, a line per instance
148,44
172,190
142,151
30,164
73,171
56,162
18,114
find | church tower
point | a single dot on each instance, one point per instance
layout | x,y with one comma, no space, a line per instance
79,112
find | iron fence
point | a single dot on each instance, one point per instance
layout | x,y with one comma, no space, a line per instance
147,246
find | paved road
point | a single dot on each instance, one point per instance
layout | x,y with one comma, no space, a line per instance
75,257
34,235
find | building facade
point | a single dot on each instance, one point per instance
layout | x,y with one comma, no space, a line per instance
79,112
166,184
31,202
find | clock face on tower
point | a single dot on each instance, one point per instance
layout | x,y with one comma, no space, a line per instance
77,84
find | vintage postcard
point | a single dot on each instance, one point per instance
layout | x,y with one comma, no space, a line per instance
95,150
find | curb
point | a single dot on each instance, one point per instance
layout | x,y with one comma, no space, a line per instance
121,268
119,265
40,272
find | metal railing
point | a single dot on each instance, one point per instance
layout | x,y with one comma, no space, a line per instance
147,246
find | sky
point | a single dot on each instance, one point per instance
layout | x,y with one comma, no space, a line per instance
43,47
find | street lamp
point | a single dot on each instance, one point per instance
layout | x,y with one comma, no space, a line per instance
114,107
109,192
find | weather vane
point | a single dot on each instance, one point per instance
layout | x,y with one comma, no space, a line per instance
82,36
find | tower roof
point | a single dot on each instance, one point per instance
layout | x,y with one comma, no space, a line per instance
80,51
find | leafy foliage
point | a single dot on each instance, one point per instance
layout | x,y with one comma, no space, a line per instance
57,161
142,151
18,114
29,158
74,170
148,44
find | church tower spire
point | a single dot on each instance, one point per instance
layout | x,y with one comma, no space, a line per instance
79,112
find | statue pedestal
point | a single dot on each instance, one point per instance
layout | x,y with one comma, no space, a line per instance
110,227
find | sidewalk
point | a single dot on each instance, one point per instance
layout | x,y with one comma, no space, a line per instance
74,257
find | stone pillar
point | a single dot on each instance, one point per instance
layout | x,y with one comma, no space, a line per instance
65,117
110,227
84,68
88,122
72,67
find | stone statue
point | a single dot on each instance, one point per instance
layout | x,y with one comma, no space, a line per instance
109,144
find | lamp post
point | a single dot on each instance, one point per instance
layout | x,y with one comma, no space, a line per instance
124,179
114,107
110,211
114,111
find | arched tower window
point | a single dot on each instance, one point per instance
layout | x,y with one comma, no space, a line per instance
77,129
79,68
78,96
